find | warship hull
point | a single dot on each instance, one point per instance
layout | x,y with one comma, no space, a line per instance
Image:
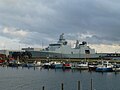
38,54
62,50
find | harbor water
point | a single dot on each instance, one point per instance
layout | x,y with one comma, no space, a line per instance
35,78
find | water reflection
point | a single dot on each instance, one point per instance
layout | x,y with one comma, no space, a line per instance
33,78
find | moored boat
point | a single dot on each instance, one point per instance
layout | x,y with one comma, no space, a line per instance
116,68
47,65
57,65
83,66
92,66
104,67
67,66
37,64
28,65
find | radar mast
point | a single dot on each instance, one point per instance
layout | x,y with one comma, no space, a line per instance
62,39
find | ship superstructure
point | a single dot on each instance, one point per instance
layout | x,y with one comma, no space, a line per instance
61,49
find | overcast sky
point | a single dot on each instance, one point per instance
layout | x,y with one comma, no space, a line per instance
32,23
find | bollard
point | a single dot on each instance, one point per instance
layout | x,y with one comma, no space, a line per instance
91,84
62,86
43,88
78,85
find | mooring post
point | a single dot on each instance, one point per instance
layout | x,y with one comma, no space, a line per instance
78,85
91,84
115,70
43,88
62,86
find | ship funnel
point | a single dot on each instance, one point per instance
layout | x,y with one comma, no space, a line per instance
83,43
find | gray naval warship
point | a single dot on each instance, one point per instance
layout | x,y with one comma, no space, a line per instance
61,49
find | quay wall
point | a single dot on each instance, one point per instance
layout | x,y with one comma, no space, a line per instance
71,60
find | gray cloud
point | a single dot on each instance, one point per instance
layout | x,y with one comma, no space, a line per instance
44,20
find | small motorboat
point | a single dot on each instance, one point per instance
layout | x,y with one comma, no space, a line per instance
83,66
105,67
67,66
92,66
47,65
57,65
116,68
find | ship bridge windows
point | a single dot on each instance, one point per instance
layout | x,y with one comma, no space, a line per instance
54,44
